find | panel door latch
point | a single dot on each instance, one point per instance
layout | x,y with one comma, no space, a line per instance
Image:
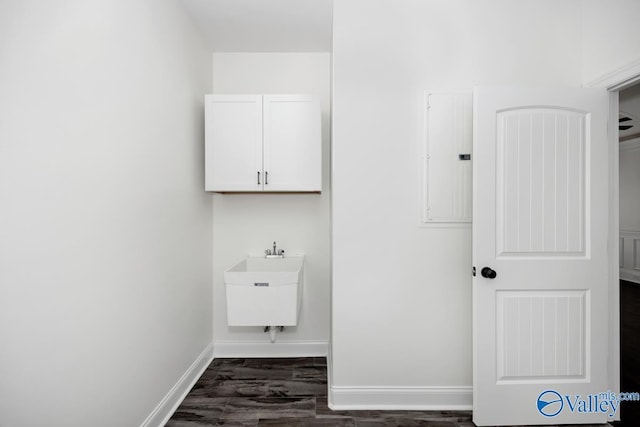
473,271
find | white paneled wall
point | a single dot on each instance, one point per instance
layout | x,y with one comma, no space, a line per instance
630,255
630,210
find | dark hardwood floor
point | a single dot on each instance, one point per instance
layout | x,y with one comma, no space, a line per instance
285,392
629,351
293,391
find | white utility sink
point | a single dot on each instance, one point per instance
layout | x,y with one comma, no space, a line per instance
264,291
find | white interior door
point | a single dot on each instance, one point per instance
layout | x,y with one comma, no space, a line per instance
540,221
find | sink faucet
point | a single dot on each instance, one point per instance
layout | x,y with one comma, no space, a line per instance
275,253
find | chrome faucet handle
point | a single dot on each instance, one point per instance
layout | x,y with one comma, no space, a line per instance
275,253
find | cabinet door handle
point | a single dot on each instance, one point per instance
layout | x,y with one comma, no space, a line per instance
266,178
258,177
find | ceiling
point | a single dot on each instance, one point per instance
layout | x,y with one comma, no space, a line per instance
263,25
629,122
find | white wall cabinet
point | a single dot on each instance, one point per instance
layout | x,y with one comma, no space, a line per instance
256,143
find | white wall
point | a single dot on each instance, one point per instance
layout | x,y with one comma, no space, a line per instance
630,185
630,210
611,36
401,293
630,166
105,228
300,223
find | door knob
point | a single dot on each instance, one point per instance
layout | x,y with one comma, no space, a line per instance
488,273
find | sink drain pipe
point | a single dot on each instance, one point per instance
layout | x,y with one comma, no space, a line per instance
272,331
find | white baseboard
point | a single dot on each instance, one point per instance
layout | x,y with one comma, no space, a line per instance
630,275
401,398
330,375
268,349
168,405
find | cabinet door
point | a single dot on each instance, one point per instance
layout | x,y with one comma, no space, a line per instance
233,147
292,143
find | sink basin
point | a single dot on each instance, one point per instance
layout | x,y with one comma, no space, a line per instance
264,292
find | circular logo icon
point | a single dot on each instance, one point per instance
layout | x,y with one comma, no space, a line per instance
550,403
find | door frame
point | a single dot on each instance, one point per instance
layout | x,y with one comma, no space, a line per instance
615,81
